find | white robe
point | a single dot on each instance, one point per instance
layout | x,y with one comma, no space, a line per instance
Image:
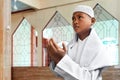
84,60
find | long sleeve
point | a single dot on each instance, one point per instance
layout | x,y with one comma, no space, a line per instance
52,67
84,60
66,70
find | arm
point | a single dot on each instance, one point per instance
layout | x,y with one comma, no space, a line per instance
52,68
70,70
67,68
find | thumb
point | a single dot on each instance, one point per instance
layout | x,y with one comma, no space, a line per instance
64,47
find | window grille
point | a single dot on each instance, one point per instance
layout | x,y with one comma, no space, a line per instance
59,29
24,45
107,28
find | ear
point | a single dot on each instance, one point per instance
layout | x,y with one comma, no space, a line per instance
93,20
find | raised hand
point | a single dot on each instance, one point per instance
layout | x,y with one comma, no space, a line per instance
55,52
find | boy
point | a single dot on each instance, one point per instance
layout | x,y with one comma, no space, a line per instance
85,56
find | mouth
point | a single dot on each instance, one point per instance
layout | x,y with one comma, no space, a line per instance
76,27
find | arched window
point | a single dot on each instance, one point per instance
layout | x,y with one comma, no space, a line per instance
59,29
24,45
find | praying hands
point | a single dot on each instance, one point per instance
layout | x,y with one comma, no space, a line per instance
55,52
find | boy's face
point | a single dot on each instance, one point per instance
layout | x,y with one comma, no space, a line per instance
81,22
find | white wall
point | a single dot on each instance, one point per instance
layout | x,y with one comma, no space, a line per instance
40,18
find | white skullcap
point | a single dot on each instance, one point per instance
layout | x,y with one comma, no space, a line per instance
86,9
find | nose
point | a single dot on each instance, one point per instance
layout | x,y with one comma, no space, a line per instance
75,21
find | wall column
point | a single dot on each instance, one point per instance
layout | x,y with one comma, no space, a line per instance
1,40
5,54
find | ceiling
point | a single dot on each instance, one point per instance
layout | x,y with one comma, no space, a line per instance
17,6
22,5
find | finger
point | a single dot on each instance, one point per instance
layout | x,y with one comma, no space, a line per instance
50,51
55,44
64,47
52,46
49,48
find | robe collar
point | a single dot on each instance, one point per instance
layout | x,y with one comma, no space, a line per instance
94,54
